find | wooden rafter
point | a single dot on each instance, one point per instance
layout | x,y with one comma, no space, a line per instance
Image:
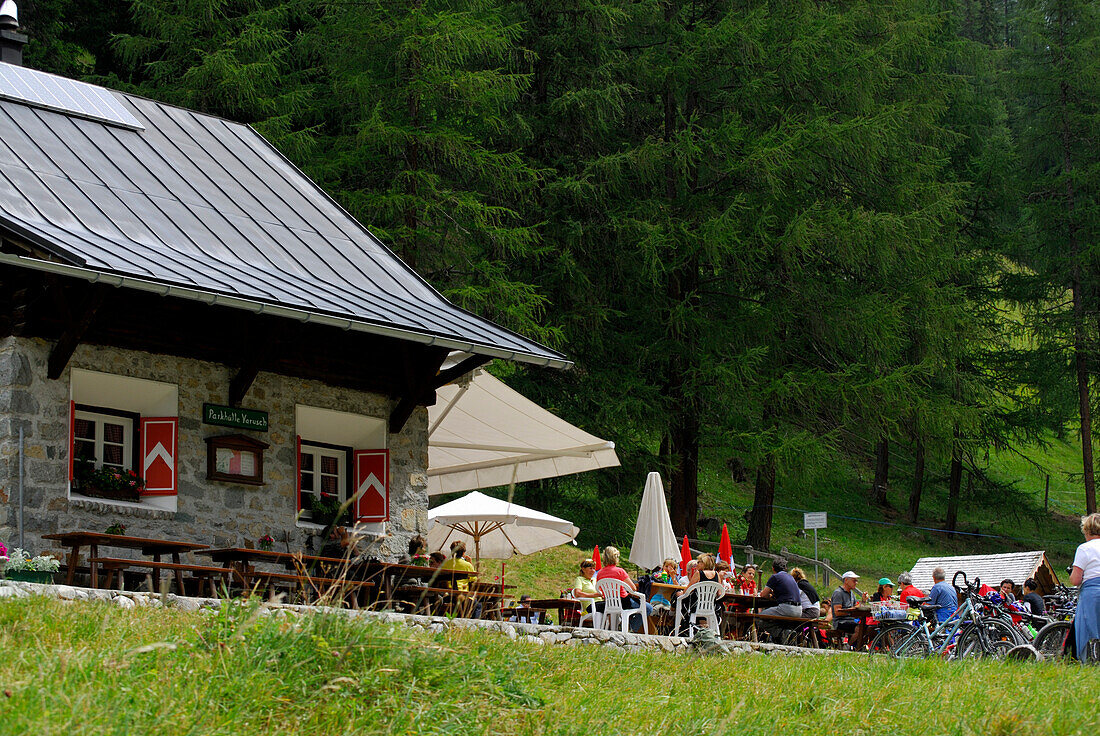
420,389
77,326
262,347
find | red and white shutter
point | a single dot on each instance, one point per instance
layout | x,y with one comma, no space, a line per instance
72,438
159,443
372,485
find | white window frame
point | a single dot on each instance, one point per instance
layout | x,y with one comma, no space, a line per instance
99,419
317,452
138,396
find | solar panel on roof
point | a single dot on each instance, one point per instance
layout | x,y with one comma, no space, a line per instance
68,96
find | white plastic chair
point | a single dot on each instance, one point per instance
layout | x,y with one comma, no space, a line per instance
593,615
706,592
613,611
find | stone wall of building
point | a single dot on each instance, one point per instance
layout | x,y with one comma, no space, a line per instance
209,512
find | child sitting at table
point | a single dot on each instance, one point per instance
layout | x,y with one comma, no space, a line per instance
667,575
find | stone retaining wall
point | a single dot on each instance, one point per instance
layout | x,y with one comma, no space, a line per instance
530,633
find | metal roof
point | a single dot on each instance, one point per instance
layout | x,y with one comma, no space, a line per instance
991,569
203,206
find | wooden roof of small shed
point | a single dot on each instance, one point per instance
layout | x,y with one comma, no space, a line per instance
991,569
199,207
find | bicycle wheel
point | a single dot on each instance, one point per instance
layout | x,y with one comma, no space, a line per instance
988,638
888,637
913,646
807,637
1051,639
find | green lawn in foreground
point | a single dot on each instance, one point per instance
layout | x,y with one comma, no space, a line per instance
86,668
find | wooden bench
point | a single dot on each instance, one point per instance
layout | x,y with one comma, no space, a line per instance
201,573
308,583
792,622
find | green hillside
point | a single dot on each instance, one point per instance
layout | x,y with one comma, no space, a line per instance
1001,514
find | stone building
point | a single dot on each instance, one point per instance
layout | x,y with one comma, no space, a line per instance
180,303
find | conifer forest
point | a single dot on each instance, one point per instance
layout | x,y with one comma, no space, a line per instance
772,234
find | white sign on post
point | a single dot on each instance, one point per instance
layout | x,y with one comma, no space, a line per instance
815,520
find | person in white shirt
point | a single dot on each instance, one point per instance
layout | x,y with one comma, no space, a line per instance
1086,575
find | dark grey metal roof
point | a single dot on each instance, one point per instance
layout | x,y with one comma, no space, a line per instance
202,203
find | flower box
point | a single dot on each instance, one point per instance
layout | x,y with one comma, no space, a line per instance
30,576
114,494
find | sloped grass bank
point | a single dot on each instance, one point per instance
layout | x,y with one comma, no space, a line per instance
92,669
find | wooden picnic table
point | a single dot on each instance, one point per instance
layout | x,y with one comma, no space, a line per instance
394,575
242,559
558,604
154,548
304,570
860,612
452,599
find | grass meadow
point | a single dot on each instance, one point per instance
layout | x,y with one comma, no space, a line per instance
90,668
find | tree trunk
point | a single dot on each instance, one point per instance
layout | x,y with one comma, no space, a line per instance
882,472
954,484
1080,341
682,289
918,478
760,523
685,472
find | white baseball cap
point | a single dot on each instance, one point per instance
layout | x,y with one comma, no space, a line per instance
849,574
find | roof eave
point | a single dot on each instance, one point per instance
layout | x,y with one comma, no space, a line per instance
258,307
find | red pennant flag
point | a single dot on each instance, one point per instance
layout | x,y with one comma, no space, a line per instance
725,549
685,556
596,557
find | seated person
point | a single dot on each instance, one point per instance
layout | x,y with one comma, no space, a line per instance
459,563
1007,591
885,592
943,595
810,600
435,559
611,570
685,579
669,573
584,586
845,598
725,575
523,612
705,571
905,580
417,554
336,546
784,589
1034,602
748,580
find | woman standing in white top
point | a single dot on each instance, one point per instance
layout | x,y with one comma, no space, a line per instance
1086,575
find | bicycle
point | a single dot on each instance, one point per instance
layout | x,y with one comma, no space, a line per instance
969,632
1053,639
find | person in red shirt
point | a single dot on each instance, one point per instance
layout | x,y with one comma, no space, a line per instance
905,582
612,570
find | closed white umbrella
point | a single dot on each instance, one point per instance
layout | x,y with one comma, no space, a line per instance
496,529
654,541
